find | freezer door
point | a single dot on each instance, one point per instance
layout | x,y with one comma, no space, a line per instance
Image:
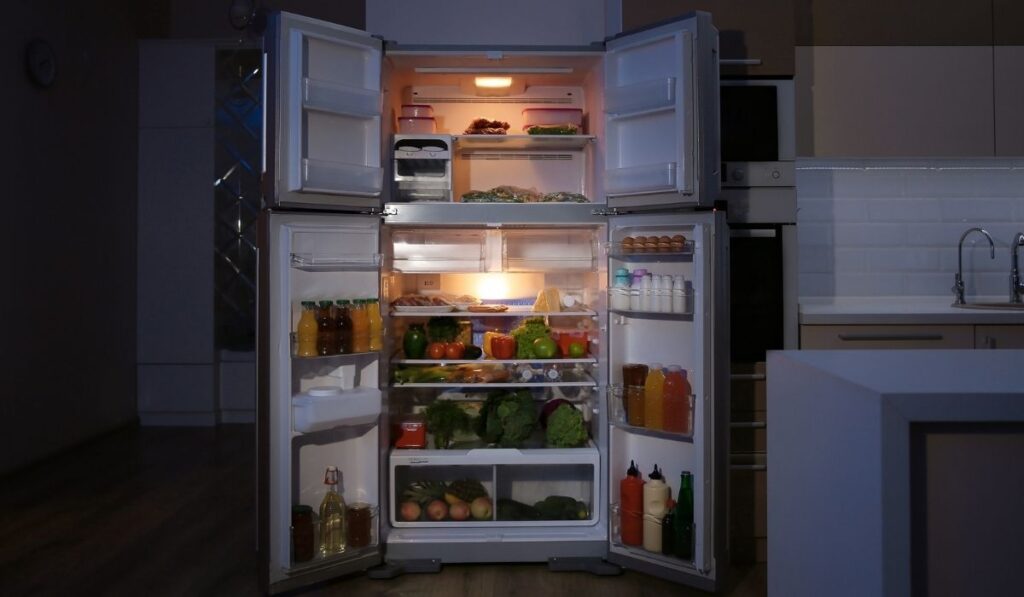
661,116
689,329
300,432
322,139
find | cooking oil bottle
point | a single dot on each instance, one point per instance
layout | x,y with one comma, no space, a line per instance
332,516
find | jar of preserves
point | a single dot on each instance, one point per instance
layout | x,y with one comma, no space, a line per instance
303,541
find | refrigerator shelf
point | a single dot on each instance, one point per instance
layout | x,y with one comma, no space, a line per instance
586,361
523,142
296,358
514,311
687,315
544,384
335,263
484,455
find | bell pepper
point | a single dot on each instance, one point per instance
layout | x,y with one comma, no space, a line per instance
503,346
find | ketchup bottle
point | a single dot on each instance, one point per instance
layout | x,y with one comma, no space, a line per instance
631,497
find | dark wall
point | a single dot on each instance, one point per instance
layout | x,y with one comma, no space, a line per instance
67,234
208,19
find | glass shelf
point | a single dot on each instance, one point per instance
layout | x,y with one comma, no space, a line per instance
585,361
653,314
312,262
512,312
523,142
539,384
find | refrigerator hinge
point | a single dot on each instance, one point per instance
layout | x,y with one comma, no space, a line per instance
611,211
387,211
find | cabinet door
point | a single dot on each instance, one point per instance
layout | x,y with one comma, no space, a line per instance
999,336
853,337
1009,97
323,101
756,38
661,116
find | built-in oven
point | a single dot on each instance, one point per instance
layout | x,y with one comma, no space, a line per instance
758,132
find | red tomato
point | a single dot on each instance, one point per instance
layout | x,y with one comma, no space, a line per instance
435,350
454,350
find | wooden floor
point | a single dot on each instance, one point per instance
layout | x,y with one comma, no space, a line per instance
172,512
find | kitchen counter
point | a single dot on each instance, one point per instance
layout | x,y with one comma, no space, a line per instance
841,424
899,310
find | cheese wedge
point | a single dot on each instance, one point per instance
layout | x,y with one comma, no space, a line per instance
548,301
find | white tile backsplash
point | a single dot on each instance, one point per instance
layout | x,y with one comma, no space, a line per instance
884,227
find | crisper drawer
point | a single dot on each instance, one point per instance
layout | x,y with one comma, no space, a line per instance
495,488
852,337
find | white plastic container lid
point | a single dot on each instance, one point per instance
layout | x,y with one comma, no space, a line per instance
324,391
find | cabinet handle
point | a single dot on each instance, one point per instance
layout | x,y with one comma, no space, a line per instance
748,425
739,62
887,337
748,377
748,467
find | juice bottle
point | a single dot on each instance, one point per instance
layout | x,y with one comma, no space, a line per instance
634,376
677,400
332,516
631,496
654,389
360,326
376,323
343,325
306,330
326,334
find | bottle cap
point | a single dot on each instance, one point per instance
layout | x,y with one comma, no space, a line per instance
343,302
655,366
325,304
633,471
622,272
655,474
674,368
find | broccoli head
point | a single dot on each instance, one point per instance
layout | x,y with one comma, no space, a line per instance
566,428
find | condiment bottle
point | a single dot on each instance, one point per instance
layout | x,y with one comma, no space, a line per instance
655,507
376,323
306,330
360,326
326,335
343,324
631,496
676,400
683,543
654,389
332,516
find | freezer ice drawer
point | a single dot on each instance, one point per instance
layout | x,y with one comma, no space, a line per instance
358,406
641,97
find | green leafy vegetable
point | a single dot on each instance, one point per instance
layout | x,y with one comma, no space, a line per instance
507,418
528,331
565,129
566,428
444,418
560,507
442,329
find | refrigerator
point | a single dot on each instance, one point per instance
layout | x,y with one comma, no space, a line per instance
337,227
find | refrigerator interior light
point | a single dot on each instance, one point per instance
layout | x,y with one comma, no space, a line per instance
493,82
493,287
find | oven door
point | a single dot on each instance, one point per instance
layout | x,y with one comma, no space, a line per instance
762,290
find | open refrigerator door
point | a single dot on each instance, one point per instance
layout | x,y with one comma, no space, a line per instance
667,398
319,399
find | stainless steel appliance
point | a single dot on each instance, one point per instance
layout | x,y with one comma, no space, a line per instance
422,168
758,133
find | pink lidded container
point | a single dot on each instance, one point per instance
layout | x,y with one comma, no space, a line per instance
416,125
417,110
553,116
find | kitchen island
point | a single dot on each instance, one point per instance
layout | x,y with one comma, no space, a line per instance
858,439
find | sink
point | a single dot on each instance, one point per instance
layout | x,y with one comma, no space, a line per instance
1008,306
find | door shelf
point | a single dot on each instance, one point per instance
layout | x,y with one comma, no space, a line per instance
680,437
628,253
319,562
645,96
312,412
638,551
637,180
339,178
311,262
617,417
327,96
523,142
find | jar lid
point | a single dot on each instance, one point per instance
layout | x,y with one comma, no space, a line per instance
324,391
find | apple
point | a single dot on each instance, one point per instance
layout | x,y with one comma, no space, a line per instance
410,511
437,510
481,508
459,511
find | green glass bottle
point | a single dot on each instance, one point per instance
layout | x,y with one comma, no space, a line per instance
683,543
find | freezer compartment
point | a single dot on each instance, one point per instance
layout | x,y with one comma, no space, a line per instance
502,487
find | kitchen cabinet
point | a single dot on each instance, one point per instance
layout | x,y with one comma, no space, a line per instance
1007,22
759,32
895,101
893,23
850,337
999,336
1009,97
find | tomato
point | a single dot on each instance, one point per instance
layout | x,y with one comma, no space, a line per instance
544,348
577,350
454,350
436,350
503,347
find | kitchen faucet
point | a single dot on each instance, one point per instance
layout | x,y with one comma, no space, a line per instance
958,281
1016,287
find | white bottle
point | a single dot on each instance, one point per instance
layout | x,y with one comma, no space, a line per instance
655,508
647,293
665,294
679,294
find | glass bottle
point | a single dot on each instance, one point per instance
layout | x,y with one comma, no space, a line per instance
306,330
360,326
326,335
376,327
676,400
343,324
668,529
684,518
654,389
332,516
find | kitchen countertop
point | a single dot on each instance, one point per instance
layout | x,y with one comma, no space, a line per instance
902,310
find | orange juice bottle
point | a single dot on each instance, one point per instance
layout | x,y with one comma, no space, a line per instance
654,389
376,323
677,400
306,330
360,326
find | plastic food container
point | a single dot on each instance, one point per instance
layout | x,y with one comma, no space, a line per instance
417,110
550,116
412,432
416,125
